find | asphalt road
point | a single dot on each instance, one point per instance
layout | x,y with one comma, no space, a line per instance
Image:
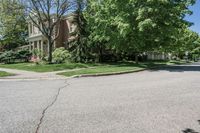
156,101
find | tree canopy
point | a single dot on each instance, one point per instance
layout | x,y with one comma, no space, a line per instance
137,25
13,27
116,26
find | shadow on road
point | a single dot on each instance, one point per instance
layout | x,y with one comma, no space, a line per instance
188,130
180,68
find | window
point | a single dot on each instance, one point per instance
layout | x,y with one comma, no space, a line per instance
72,28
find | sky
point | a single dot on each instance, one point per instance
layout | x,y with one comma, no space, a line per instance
195,17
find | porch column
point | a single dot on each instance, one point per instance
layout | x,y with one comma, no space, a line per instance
29,46
33,45
38,46
42,47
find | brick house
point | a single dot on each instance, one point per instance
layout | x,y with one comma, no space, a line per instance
36,40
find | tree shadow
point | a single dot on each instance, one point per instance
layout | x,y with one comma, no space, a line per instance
160,66
180,68
189,130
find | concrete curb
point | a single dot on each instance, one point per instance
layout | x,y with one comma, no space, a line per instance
120,73
107,74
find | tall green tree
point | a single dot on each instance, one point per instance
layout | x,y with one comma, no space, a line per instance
79,44
186,41
98,26
137,26
13,27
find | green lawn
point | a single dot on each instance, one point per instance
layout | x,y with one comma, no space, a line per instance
119,68
45,67
178,62
4,74
103,70
98,68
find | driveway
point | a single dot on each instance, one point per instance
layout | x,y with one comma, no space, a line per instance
155,101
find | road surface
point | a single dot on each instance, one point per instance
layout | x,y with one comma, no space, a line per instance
154,101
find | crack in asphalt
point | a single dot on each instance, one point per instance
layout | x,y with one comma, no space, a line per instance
48,106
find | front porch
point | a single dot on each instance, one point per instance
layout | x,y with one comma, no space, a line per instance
38,43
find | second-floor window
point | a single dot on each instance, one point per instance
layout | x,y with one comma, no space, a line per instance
33,30
72,28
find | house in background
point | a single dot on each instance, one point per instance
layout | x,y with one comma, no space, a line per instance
158,56
36,40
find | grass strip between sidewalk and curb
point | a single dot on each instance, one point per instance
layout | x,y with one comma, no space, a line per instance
116,69
69,69
5,74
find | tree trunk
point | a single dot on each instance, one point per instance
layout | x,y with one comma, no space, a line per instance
136,59
50,50
79,49
100,54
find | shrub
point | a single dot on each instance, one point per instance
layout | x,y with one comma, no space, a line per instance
8,57
38,53
13,56
1,56
195,57
24,55
60,55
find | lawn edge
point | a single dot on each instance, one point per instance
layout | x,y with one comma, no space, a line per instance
7,75
106,74
122,72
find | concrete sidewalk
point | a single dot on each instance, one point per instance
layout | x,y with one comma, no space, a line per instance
28,75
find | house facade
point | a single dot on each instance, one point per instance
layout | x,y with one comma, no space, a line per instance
158,56
36,40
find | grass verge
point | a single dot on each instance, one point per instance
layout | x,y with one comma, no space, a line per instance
98,68
101,70
119,68
5,74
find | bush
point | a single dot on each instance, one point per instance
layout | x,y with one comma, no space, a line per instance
38,53
60,55
8,57
195,57
24,55
14,56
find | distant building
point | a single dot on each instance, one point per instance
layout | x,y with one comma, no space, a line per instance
158,56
